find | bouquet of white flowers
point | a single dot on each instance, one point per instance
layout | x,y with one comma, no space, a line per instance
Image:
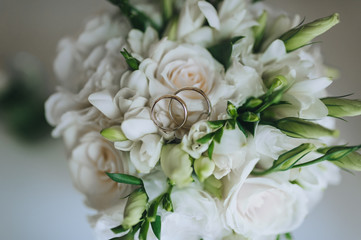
199,119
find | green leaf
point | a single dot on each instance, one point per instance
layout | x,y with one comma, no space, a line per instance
210,150
206,138
230,124
216,124
125,178
138,19
157,226
222,51
144,230
239,125
218,135
131,61
288,236
119,229
252,103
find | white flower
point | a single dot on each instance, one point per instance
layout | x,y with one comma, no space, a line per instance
145,153
88,163
137,123
231,153
263,206
189,141
195,216
244,82
178,171
174,66
271,143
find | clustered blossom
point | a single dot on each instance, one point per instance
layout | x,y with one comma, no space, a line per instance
98,90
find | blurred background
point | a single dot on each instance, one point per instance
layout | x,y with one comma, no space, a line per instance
37,198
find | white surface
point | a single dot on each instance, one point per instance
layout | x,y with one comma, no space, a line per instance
37,198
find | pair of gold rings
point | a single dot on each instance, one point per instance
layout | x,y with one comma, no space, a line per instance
174,97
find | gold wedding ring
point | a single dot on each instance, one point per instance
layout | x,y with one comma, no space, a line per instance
184,107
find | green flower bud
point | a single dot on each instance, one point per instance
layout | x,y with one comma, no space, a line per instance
135,207
277,83
259,30
249,117
203,167
299,128
339,107
351,161
231,110
176,164
213,186
290,158
114,134
253,103
304,34
167,202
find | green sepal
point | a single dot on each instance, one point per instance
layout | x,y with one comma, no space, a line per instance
252,103
144,230
222,51
119,229
210,150
132,62
138,19
125,178
157,226
216,124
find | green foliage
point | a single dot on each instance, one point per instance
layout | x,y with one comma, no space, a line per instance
132,62
138,19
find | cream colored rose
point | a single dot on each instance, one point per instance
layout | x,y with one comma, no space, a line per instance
88,163
264,206
173,66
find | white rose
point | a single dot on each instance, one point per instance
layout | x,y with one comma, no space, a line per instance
88,163
315,179
173,66
262,206
196,216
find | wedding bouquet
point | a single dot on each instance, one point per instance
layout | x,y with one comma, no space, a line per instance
199,119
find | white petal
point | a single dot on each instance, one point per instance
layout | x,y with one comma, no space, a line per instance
210,13
103,101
